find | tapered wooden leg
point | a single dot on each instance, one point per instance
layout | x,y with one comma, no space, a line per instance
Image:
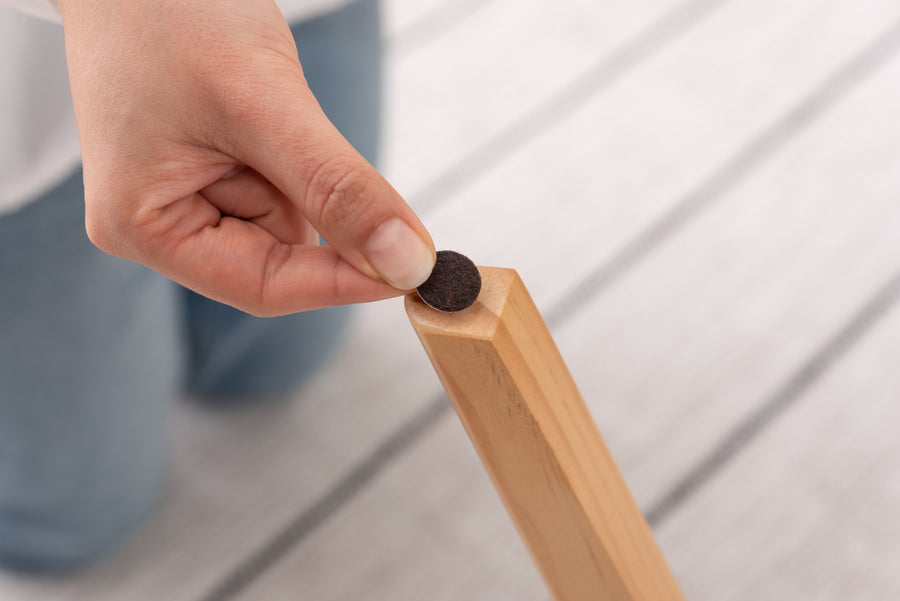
525,416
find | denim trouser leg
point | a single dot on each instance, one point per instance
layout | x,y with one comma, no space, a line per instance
93,349
88,367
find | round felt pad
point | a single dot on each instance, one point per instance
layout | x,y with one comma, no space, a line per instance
454,283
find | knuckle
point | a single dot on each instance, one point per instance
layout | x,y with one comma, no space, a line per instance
109,224
99,227
342,192
267,302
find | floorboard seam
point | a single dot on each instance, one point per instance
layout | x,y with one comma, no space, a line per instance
595,80
730,173
346,489
793,389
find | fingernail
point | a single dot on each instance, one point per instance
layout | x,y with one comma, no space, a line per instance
399,255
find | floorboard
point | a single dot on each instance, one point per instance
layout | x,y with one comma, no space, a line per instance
696,337
810,509
459,92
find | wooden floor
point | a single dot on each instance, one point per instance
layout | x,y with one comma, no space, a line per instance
703,196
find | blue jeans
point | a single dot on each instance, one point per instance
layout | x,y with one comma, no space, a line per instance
94,349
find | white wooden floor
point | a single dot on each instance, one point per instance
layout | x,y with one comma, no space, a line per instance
703,196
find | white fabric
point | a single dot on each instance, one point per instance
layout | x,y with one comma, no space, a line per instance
293,9
38,138
45,9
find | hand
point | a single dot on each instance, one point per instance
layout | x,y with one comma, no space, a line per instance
207,158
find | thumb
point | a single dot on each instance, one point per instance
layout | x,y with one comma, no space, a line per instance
346,200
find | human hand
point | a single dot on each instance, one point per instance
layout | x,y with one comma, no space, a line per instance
207,158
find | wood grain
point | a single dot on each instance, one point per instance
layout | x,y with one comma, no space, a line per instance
537,439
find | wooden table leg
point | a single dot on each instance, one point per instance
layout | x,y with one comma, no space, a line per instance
525,416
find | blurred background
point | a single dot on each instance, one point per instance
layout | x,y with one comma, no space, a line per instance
703,197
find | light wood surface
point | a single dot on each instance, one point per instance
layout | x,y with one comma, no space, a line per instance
537,439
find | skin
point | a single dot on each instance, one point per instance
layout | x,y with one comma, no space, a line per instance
207,158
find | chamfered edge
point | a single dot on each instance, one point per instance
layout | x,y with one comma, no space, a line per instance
478,321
